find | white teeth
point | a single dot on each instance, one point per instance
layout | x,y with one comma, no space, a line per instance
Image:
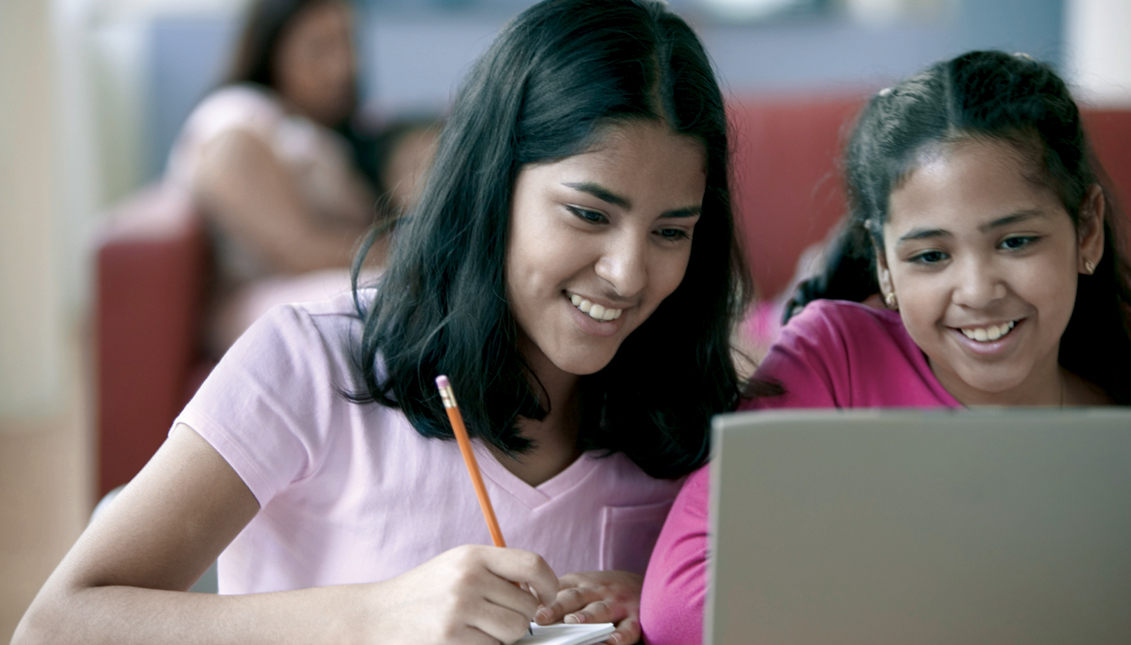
596,312
991,333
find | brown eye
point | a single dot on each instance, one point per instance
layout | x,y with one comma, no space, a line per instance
673,234
929,258
588,215
1018,242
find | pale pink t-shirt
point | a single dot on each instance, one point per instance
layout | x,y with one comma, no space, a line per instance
352,493
833,354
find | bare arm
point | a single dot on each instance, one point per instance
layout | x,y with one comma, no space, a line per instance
124,581
253,198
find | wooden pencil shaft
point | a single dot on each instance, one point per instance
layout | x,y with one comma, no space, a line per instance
464,442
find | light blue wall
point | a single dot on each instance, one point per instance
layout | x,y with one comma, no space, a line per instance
413,61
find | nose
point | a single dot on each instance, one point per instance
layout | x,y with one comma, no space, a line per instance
624,263
977,283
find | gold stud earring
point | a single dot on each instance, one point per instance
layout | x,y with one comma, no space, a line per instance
891,301
1089,268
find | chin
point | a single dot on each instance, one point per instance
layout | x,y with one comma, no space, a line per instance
583,366
992,383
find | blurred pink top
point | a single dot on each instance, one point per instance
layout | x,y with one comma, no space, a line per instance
352,493
833,354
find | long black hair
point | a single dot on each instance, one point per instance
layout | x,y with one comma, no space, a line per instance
554,76
996,96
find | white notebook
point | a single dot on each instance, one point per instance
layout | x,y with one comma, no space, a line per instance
567,634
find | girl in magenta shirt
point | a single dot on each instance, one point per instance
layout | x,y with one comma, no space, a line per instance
996,251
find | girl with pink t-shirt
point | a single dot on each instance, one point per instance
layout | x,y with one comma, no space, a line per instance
997,256
571,266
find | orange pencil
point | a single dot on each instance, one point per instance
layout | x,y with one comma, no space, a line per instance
464,441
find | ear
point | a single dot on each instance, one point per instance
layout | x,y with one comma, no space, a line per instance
1090,230
883,275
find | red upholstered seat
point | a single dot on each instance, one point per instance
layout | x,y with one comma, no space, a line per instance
152,270
787,186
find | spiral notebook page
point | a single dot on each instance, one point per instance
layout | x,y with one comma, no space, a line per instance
567,634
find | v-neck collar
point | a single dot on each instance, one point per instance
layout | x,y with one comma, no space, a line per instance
532,496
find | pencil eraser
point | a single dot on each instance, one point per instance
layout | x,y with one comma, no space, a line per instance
442,382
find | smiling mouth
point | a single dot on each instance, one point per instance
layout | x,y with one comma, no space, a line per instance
988,334
596,312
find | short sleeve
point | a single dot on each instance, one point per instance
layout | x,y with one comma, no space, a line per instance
675,585
229,109
236,108
266,406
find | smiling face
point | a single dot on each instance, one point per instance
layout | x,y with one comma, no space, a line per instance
314,62
598,240
984,263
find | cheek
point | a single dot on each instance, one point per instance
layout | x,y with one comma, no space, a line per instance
1051,288
666,275
922,304
534,266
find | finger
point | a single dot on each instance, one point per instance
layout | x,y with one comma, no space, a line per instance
523,567
601,611
504,593
499,623
628,631
568,600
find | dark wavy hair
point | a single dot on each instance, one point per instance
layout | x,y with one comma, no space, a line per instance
987,95
556,75
264,26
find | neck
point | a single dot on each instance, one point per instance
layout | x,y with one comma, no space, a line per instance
555,435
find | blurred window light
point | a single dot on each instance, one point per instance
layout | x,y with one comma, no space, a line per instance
883,13
747,10
871,13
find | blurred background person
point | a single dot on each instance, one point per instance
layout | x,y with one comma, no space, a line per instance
285,174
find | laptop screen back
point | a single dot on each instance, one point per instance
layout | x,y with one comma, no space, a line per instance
901,526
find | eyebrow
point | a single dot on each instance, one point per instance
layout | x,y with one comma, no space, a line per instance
1019,216
606,195
601,193
930,233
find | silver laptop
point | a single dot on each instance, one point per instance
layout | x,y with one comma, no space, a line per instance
902,526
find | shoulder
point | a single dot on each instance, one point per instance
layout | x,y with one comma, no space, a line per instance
844,354
243,107
320,317
838,326
844,315
309,341
690,508
241,99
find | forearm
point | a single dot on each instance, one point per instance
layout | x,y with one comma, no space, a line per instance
124,615
252,197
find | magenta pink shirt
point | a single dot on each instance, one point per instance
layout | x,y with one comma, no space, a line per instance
352,493
834,354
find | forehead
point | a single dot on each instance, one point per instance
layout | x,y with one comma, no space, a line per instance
966,184
317,20
645,158
633,138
